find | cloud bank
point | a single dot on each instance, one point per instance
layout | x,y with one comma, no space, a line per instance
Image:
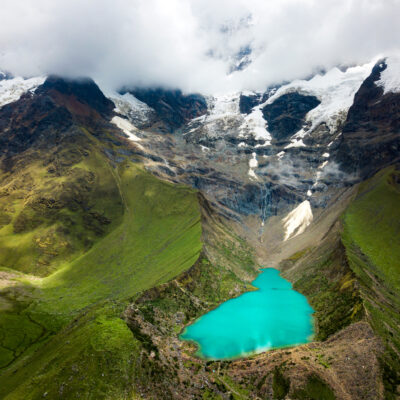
192,44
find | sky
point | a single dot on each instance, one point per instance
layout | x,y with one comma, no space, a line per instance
192,44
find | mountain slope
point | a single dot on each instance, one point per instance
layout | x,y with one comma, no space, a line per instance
95,286
371,132
372,227
97,230
80,231
123,220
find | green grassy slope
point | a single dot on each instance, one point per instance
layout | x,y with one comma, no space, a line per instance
93,357
330,286
354,273
55,205
70,319
372,240
158,238
373,224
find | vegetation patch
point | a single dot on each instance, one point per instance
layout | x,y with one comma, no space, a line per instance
330,287
372,229
315,389
280,384
118,232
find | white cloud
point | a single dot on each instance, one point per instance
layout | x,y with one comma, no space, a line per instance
190,43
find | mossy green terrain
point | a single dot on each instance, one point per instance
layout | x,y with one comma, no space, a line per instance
315,389
280,384
90,357
158,238
372,222
76,246
354,273
56,207
371,237
324,276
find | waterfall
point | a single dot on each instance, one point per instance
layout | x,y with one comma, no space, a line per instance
265,203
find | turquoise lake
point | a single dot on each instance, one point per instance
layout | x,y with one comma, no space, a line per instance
273,316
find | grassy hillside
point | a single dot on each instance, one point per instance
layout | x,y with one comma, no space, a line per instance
158,238
353,274
55,204
373,224
65,313
372,240
86,231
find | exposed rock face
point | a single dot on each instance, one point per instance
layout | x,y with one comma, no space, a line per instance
84,90
172,107
247,102
236,199
242,59
286,115
51,114
255,153
30,121
5,75
371,133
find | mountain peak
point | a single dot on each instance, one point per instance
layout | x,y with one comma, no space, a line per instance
85,90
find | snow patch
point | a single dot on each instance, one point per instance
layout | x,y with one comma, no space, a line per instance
326,155
224,104
335,90
296,143
298,220
126,127
323,165
252,174
390,77
225,119
255,125
12,89
280,155
253,163
222,117
129,106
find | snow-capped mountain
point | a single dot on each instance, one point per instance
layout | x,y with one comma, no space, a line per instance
283,139
264,152
275,172
252,153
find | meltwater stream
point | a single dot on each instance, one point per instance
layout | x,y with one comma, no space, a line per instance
273,316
